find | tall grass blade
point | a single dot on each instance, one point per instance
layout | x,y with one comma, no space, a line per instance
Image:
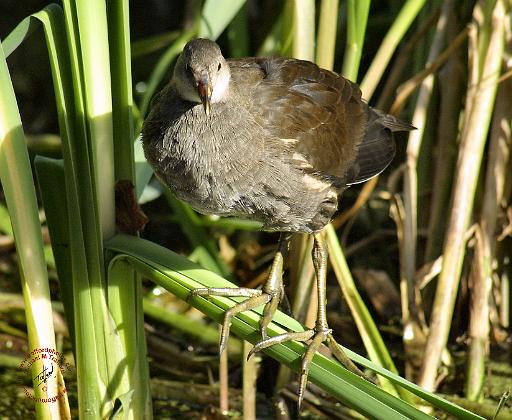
304,29
414,176
357,16
178,275
20,195
50,176
216,15
95,64
370,335
388,46
326,38
124,284
72,126
451,90
121,82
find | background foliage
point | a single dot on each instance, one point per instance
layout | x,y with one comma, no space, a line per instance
427,245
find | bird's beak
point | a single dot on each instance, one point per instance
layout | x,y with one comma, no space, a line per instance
204,88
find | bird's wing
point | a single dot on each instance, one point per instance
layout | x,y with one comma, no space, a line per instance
318,111
336,134
377,149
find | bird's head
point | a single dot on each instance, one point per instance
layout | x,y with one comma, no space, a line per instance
202,74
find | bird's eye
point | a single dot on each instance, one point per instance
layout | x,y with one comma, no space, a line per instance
218,68
188,68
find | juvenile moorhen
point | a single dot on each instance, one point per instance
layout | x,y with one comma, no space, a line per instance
275,140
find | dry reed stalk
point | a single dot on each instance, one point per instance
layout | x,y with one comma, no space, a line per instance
223,380
480,288
402,59
413,318
415,138
397,213
433,268
478,114
410,194
327,24
504,308
301,274
407,88
482,269
249,375
504,313
450,91
304,29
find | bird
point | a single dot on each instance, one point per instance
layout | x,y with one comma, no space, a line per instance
271,139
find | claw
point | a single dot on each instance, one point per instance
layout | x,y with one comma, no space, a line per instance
224,335
319,337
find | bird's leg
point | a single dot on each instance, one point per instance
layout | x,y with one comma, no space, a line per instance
274,287
269,296
321,332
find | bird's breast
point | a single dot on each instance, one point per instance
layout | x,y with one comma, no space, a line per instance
205,160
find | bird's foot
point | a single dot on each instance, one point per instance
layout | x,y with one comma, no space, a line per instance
270,295
255,298
318,335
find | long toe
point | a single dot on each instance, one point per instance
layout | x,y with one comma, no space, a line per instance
246,305
317,337
281,338
268,313
224,291
255,298
342,357
320,335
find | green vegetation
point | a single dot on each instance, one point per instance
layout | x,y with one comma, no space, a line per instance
448,193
